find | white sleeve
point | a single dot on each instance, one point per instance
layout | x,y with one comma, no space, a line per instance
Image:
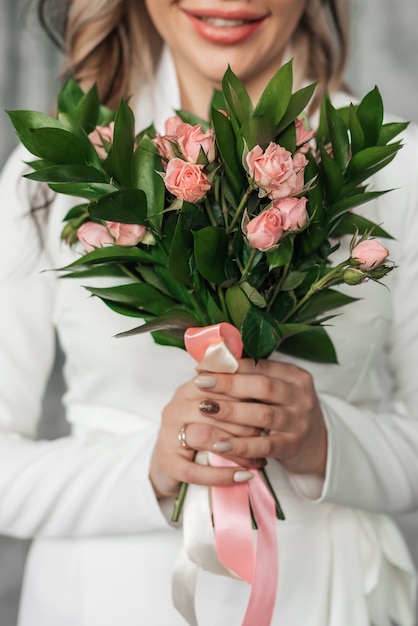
373,457
74,486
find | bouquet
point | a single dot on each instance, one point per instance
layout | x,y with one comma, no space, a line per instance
229,221
233,220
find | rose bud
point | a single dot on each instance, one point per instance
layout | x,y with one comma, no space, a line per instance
369,254
94,236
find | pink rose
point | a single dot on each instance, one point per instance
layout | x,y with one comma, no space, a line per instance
293,212
99,135
192,139
165,143
185,180
303,136
265,230
274,170
370,253
126,234
171,125
93,236
189,140
299,164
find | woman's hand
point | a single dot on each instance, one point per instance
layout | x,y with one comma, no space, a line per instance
268,410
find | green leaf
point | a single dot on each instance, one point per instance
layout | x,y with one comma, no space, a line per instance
215,313
70,96
85,114
173,319
123,144
389,131
89,191
145,176
236,97
122,309
258,131
370,157
173,338
136,295
260,334
370,115
293,280
61,146
178,291
225,140
128,206
69,173
179,256
332,174
282,254
287,138
25,122
321,302
341,206
275,98
312,344
76,212
297,104
97,271
356,131
338,135
351,223
211,250
112,254
237,304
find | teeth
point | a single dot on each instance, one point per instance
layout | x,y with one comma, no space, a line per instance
217,21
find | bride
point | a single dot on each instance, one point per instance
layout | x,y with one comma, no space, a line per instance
343,440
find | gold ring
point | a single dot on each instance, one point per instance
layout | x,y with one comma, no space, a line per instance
181,436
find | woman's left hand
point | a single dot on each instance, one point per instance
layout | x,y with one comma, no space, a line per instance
280,400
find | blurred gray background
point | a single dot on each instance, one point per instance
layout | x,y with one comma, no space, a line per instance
384,52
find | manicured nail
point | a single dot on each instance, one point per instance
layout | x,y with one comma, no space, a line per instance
222,446
205,382
242,476
209,407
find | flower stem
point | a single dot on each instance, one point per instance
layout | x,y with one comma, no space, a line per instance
210,212
279,510
239,210
178,505
248,265
333,277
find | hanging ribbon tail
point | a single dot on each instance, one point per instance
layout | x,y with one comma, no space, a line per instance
235,543
266,572
233,524
229,547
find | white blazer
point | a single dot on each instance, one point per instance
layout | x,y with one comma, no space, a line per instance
103,549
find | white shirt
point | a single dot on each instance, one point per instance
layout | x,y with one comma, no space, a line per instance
103,550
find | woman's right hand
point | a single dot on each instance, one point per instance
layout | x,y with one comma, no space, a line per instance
173,463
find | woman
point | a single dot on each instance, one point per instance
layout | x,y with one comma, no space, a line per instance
341,441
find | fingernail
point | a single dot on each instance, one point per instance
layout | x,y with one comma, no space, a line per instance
205,382
242,476
222,446
209,406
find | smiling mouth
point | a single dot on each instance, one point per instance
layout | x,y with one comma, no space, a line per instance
220,22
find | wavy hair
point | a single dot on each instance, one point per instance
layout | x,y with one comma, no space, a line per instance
114,43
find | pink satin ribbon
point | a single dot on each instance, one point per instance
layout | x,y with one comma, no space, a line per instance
231,505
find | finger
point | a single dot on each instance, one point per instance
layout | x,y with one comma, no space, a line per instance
194,473
278,446
259,387
255,417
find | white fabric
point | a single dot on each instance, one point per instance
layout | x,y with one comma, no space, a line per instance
104,551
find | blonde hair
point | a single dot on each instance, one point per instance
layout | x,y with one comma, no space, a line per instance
113,43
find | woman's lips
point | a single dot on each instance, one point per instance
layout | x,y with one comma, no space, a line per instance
222,28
